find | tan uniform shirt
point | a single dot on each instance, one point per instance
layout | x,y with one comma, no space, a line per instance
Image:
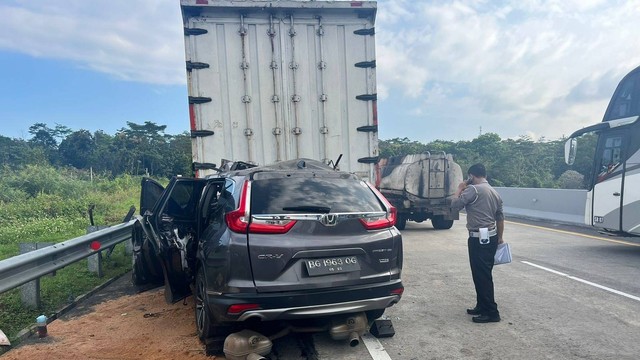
483,205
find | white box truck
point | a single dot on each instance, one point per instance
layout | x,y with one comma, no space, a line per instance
278,80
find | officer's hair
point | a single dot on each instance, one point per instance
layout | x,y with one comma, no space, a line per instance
477,170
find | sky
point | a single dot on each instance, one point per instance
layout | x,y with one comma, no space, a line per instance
446,70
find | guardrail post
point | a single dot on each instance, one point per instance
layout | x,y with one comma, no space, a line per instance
95,261
30,292
128,247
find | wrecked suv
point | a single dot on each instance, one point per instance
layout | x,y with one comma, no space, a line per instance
287,242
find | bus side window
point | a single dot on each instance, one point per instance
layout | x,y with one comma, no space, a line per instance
611,156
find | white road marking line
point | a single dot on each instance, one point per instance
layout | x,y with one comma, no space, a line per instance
375,348
584,281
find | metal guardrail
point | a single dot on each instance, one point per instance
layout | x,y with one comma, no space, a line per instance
21,269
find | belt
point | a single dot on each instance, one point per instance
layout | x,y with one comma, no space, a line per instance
476,234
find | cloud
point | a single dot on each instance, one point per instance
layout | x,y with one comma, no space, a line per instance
538,67
533,66
132,40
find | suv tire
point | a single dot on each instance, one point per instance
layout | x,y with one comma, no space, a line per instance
211,333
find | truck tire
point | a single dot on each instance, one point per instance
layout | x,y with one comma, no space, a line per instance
439,223
401,222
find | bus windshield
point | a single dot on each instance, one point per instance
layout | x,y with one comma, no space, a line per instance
626,99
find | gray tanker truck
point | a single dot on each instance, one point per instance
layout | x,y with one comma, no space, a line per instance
421,186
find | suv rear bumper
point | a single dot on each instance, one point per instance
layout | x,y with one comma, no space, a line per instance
320,310
307,304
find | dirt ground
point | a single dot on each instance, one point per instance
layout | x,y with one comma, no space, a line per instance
140,326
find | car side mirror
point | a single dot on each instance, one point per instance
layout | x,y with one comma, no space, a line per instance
570,151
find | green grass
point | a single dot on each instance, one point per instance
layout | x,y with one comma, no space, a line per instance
58,291
54,211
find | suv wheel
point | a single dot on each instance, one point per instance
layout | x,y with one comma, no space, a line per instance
204,324
210,333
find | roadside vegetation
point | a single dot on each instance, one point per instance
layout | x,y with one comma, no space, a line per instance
40,203
49,181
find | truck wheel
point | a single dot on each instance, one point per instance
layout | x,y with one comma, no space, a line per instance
440,223
401,222
212,334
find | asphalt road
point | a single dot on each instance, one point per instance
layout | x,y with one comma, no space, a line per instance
570,293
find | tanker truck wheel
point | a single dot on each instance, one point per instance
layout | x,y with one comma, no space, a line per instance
401,222
440,223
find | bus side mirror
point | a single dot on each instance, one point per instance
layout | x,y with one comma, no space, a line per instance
570,151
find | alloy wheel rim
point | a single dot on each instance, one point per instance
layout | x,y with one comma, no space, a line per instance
200,306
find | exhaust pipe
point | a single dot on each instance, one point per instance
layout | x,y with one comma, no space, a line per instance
246,345
349,327
354,339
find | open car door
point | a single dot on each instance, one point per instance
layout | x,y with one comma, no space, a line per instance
150,194
173,221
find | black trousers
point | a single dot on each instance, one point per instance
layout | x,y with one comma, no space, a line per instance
481,257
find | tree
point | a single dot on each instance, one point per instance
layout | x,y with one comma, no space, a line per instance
571,179
145,143
397,146
77,149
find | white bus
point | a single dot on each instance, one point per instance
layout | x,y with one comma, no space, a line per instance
613,200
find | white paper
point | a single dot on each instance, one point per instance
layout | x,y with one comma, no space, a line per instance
503,254
4,340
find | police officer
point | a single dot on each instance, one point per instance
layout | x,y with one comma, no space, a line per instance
485,223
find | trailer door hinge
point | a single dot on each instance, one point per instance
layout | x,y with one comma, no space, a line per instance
367,97
191,65
370,31
201,133
369,160
296,131
368,128
199,99
366,64
203,166
248,132
194,31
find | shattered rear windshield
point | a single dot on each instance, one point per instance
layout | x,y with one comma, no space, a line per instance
280,195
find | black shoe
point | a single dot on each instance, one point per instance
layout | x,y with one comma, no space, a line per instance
485,319
474,311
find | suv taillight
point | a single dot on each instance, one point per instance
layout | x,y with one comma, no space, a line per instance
270,226
238,220
382,222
